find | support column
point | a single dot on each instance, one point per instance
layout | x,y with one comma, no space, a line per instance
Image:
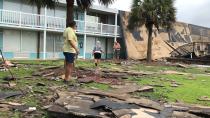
45,33
115,37
21,40
85,35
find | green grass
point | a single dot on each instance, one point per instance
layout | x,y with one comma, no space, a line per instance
143,67
189,92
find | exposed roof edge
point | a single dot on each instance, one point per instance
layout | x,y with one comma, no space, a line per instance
95,7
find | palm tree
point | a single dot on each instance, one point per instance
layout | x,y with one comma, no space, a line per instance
152,13
83,4
39,4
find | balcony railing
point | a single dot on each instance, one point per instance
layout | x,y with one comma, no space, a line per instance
35,21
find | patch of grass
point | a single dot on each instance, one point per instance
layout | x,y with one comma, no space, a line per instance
189,92
143,67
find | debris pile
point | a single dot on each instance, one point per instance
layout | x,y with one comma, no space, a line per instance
99,104
87,75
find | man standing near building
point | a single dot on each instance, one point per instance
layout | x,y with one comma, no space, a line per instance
116,48
70,49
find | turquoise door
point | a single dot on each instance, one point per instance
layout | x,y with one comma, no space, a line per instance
81,46
1,4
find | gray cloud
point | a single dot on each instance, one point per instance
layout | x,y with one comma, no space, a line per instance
189,11
194,11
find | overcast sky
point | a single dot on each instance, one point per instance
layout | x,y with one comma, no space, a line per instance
189,11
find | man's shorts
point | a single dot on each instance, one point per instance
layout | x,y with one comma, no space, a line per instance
116,53
97,55
69,57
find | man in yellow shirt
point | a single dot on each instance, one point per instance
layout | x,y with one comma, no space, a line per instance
70,49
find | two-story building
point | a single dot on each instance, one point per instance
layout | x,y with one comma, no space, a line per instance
20,24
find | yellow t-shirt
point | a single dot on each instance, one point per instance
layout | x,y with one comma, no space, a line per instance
69,35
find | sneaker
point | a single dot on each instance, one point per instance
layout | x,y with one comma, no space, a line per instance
66,81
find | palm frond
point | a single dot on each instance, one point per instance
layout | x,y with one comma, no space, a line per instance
84,4
43,3
160,13
106,2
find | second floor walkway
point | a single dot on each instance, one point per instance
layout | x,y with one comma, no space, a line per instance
14,19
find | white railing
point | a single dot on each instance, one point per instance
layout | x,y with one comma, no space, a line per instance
55,23
35,21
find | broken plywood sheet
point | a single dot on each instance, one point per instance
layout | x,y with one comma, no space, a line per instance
112,105
174,72
141,113
4,95
123,113
195,109
78,106
104,94
177,114
145,103
130,89
138,101
204,98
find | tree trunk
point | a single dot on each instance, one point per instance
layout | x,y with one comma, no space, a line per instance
39,34
169,35
70,11
149,45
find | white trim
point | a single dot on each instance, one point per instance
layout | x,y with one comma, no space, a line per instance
45,34
21,40
85,36
115,38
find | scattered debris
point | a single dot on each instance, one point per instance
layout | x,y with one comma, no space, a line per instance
12,84
174,85
9,78
4,95
181,65
174,72
40,84
124,89
111,105
156,85
24,108
178,114
123,113
204,98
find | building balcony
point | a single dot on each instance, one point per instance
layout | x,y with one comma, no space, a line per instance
14,19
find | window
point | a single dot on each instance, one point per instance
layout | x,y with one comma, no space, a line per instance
198,47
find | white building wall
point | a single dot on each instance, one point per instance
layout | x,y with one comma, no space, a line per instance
29,41
25,7
19,5
90,44
103,43
60,12
15,41
91,41
14,5
11,41
110,45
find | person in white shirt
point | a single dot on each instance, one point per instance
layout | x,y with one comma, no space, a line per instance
97,51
